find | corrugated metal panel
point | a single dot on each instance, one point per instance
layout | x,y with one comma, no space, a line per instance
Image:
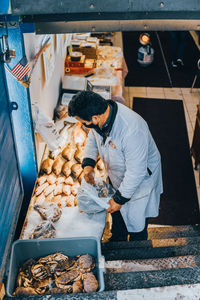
11,191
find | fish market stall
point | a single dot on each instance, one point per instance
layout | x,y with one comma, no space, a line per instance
53,210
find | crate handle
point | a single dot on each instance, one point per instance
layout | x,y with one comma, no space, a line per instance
102,263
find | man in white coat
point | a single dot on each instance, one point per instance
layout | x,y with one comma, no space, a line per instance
123,140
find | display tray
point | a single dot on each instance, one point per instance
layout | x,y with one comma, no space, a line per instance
53,210
22,250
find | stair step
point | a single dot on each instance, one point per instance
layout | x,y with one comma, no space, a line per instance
118,266
150,252
152,243
173,231
148,279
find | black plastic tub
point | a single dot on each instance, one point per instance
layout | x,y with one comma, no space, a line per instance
22,250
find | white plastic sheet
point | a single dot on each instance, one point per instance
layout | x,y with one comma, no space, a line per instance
73,223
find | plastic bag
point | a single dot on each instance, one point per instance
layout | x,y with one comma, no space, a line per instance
47,129
94,198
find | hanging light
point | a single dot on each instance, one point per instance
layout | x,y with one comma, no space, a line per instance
144,39
145,52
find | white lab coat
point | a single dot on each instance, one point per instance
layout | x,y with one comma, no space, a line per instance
127,153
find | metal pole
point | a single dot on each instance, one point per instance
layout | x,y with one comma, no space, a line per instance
166,67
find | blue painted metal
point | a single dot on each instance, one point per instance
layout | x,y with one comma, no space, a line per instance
4,6
27,27
22,118
11,191
9,18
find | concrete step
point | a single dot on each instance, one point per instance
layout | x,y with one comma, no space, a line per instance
150,252
164,232
149,279
152,243
119,266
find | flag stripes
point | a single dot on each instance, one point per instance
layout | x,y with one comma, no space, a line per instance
21,69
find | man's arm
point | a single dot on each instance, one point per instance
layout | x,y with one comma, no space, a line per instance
90,157
135,148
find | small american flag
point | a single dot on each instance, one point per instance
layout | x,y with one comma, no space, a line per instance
21,69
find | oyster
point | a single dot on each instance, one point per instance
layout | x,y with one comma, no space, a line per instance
45,229
65,278
90,283
86,263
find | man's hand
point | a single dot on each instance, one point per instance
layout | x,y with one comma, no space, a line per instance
89,174
113,206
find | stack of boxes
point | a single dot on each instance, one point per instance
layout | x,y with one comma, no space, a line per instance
88,47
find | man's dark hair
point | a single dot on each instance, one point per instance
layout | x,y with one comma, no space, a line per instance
86,104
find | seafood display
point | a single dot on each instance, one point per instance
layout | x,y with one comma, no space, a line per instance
56,273
49,211
58,183
44,230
